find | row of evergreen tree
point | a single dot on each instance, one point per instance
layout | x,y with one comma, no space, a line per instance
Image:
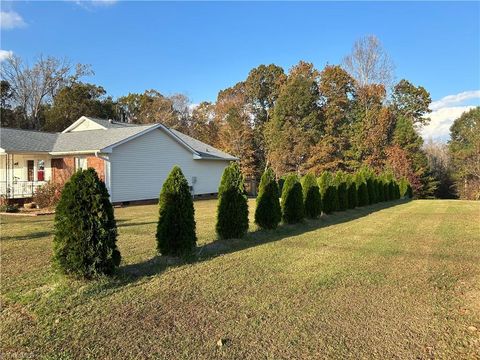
86,231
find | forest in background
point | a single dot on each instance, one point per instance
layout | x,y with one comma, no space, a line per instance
342,117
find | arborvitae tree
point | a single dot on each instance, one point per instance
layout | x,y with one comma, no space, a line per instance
371,191
292,200
342,196
268,212
386,190
281,181
176,223
397,191
391,190
376,191
363,194
312,199
409,191
403,184
362,190
85,228
232,212
324,183
381,194
352,195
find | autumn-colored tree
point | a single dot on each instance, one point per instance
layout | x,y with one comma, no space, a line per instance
407,138
337,90
411,102
464,149
296,122
373,128
236,135
203,126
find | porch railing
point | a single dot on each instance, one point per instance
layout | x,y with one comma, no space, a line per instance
19,189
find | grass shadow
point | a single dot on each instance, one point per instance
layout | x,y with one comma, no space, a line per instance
29,236
131,273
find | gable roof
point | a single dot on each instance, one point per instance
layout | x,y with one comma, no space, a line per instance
99,140
104,123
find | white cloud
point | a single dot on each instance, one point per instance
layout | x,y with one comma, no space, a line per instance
441,120
11,20
5,54
453,100
104,2
87,4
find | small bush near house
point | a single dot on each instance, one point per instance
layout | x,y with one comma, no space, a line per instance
9,208
292,200
48,195
176,223
268,212
232,212
85,229
312,199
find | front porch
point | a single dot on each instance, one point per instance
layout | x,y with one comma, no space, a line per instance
21,174
19,189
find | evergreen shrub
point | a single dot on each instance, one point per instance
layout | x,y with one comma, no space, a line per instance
176,223
85,229
232,211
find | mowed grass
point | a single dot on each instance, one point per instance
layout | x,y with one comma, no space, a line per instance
398,280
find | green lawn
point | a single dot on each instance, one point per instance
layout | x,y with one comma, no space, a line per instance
398,280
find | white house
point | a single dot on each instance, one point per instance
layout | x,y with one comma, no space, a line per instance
133,160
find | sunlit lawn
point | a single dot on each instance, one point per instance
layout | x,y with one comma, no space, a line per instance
398,280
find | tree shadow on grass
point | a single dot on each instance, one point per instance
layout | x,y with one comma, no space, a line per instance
127,224
132,273
29,236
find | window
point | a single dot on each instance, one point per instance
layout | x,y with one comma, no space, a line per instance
41,170
80,163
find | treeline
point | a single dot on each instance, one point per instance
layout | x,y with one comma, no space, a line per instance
339,118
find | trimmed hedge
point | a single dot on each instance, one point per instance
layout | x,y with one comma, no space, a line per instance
292,200
85,229
312,200
232,211
268,212
176,223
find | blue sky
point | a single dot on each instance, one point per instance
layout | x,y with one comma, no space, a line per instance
200,48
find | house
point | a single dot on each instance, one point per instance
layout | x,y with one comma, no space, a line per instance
132,160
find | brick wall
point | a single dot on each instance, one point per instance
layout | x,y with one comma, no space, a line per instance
63,168
98,164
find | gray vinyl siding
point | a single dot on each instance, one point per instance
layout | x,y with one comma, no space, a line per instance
139,167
